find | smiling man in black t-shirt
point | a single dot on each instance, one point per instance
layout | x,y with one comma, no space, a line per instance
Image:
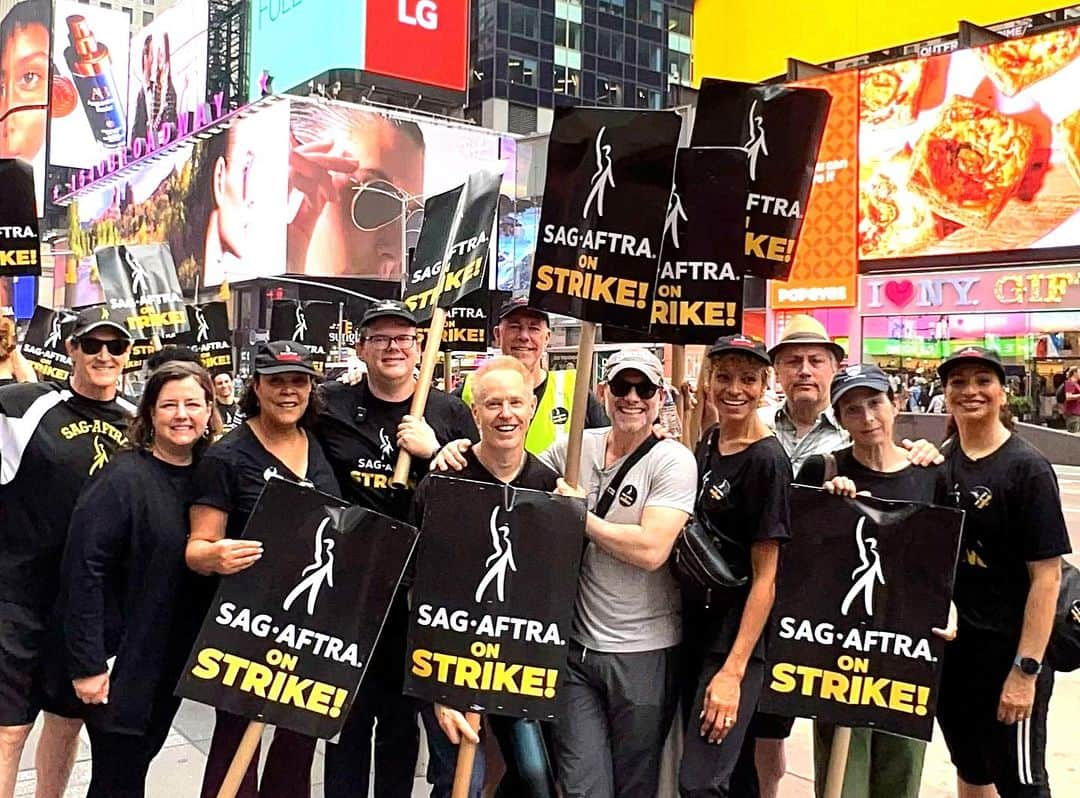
53,439
361,428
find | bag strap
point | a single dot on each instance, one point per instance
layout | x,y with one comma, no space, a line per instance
608,494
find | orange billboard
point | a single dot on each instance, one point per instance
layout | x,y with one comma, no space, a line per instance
826,262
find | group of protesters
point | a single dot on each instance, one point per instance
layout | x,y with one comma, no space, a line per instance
116,521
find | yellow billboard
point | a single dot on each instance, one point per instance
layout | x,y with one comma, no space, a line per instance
748,40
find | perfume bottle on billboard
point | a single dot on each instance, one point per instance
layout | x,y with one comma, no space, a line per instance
91,67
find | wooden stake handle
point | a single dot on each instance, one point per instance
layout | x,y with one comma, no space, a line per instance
241,760
834,778
678,377
582,380
400,478
466,754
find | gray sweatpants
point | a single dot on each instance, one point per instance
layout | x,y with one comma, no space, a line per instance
618,711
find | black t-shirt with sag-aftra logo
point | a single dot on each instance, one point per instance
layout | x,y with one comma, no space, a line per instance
1012,517
52,440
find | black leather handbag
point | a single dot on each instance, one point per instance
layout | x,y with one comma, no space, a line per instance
708,564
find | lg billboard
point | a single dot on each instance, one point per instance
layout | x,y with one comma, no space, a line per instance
424,41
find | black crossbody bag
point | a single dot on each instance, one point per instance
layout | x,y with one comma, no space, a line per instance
607,495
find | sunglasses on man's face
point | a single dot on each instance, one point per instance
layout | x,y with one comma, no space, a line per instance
621,388
116,346
379,203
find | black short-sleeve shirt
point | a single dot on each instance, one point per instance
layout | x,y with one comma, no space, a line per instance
358,432
1012,517
233,472
744,495
914,483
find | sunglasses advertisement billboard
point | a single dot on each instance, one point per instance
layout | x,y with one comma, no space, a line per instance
972,157
25,46
90,61
167,72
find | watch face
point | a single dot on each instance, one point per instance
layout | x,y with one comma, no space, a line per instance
1029,666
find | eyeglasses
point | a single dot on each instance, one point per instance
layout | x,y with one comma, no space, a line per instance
379,203
622,388
116,346
405,342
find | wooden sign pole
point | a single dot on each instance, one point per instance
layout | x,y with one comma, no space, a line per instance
678,377
834,778
465,756
241,760
447,367
400,478
581,402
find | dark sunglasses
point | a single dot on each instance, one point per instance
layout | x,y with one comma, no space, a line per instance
116,346
621,388
379,203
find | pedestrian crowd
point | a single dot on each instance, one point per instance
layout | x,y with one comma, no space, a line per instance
116,521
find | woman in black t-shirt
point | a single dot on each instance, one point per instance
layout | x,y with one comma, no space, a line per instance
125,605
994,688
745,481
272,441
879,765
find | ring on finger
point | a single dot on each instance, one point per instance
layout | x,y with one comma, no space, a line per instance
729,721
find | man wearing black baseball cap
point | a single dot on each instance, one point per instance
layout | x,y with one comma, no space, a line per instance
361,428
53,438
523,332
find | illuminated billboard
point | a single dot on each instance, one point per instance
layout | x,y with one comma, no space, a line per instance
294,42
972,157
425,41
167,72
25,46
89,96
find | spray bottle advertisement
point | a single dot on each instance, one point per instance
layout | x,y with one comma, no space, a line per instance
90,59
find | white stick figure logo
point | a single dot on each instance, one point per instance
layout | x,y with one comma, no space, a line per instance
501,558
53,339
601,178
202,332
675,212
319,573
140,280
385,446
866,574
755,144
101,456
300,330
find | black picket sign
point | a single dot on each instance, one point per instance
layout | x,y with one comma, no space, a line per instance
210,336
308,323
490,633
858,650
141,289
20,243
451,255
699,285
288,640
43,346
609,176
780,129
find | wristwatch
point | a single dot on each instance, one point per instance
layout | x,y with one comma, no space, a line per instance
1027,665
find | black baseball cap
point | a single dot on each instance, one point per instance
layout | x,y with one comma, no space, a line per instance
388,309
96,317
858,375
972,356
515,304
281,357
740,345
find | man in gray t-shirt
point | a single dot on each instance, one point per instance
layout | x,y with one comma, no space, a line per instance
620,684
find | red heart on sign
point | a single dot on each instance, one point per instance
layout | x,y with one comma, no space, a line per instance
899,292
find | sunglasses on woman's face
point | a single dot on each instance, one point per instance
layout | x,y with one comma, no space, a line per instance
379,203
116,346
621,388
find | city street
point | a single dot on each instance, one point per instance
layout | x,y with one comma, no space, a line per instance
178,769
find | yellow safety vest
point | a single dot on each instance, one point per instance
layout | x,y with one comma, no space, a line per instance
552,419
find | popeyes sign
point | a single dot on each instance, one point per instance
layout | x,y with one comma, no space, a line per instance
994,290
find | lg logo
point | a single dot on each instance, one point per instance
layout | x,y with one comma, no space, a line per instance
425,14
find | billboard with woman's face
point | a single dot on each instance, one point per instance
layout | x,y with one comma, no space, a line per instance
25,46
